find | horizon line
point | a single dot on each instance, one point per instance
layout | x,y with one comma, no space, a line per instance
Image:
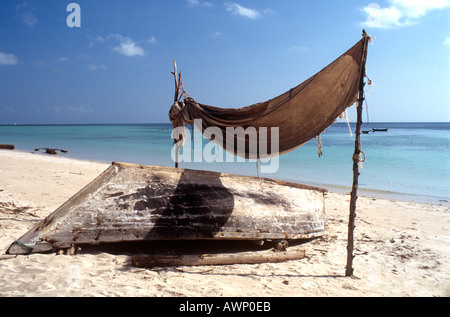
136,123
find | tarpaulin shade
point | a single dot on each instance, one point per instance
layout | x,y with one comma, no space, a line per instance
299,114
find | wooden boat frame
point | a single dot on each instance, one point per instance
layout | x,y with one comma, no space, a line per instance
129,202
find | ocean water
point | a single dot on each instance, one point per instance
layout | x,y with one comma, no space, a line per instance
411,161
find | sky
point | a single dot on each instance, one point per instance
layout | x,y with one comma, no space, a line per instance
110,61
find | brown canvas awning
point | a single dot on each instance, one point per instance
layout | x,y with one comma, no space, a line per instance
300,113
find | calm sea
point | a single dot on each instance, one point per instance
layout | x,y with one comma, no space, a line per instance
410,161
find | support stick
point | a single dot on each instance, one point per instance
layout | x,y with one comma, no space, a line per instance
175,99
356,157
175,74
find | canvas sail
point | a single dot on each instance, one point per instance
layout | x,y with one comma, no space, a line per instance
300,113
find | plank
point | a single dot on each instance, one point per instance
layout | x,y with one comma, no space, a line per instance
256,257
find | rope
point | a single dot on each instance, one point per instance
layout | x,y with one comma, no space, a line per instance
362,158
348,122
363,154
367,111
370,83
261,187
181,87
257,168
319,145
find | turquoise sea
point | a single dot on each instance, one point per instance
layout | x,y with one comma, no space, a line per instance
411,161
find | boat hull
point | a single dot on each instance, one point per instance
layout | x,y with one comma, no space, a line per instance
129,202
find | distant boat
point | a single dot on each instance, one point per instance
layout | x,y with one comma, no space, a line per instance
379,129
366,131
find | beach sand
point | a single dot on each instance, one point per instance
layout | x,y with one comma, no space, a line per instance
402,248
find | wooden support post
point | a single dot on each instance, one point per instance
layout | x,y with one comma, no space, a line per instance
175,99
176,156
356,158
175,74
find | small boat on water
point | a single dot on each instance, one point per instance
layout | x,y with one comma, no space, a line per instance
7,146
129,202
379,129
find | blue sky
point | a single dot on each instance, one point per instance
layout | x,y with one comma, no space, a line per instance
115,67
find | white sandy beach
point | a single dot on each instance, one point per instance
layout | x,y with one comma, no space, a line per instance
402,248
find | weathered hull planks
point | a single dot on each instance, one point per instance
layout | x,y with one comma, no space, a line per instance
131,202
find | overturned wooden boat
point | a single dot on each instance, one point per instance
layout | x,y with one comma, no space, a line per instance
129,202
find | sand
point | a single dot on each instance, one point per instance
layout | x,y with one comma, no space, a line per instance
402,248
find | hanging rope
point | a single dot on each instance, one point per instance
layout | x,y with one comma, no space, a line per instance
319,145
181,89
257,168
362,158
370,83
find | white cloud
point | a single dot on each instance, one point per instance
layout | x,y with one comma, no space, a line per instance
25,15
196,3
269,11
127,46
400,12
83,56
7,109
215,34
94,40
55,68
152,40
446,41
297,48
22,5
124,45
96,67
73,109
8,59
29,19
237,9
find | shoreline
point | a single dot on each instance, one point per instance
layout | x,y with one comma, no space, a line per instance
401,248
58,156
340,189
384,194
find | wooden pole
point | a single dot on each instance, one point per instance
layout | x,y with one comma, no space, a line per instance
217,259
175,74
175,99
356,158
176,156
